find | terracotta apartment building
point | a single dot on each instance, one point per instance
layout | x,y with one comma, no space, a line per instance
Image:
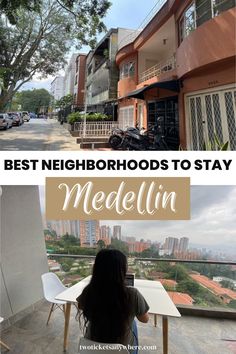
179,74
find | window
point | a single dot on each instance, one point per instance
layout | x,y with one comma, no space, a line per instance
127,70
187,23
90,69
222,5
199,12
203,11
126,117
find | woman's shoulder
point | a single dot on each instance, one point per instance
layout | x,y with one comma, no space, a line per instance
132,291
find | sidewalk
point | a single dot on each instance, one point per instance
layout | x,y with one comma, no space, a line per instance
60,138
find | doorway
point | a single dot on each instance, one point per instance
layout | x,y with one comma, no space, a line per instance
165,115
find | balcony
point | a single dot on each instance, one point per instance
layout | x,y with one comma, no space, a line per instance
192,333
186,335
158,69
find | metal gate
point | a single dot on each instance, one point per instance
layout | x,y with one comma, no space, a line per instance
210,114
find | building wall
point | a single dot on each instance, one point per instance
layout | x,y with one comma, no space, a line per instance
205,59
69,80
212,77
211,42
128,84
23,252
57,87
89,233
80,79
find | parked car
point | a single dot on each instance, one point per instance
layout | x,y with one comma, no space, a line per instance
16,118
5,121
32,115
26,116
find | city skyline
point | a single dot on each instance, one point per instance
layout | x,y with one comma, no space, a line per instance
213,219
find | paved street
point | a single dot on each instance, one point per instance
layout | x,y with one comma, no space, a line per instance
37,134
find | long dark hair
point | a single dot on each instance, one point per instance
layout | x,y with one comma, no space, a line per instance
104,301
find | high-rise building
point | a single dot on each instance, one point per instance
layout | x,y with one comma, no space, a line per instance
74,225
105,234
57,88
69,79
171,245
89,233
63,227
117,232
183,244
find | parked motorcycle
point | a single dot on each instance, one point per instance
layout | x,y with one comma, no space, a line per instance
117,139
135,139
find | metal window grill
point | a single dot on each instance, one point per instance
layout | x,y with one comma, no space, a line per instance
230,113
217,116
210,125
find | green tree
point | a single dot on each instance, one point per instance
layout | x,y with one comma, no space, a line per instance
232,304
65,101
70,240
178,273
66,263
40,38
151,252
119,245
227,284
101,244
188,286
34,100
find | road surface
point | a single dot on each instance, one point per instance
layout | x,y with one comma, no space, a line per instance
37,135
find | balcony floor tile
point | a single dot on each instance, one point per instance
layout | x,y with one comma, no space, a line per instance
187,335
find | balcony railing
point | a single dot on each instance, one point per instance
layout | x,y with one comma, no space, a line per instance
194,285
95,129
158,69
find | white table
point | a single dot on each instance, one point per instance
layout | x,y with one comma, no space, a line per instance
156,296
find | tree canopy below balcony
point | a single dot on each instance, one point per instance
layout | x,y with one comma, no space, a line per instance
36,36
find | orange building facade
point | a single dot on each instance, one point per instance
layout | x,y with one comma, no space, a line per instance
179,74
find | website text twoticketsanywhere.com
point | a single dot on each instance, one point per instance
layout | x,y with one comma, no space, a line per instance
118,347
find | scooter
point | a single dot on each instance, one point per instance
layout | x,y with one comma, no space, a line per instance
117,139
135,139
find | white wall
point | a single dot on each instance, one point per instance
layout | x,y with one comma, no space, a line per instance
23,253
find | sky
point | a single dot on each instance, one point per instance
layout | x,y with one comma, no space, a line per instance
212,224
123,13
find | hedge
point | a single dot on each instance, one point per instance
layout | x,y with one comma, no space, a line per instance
79,117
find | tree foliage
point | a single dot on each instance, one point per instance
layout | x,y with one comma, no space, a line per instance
37,41
34,100
70,240
65,101
119,245
188,286
101,244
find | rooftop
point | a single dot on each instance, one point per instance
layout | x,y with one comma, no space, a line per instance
180,298
214,286
193,335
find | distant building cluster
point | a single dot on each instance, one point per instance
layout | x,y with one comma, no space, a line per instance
89,232
176,247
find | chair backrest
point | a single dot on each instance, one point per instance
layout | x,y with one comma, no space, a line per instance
87,346
52,286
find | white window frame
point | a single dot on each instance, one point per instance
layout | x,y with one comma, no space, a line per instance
129,110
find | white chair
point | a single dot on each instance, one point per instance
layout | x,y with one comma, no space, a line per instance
87,346
2,343
52,286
